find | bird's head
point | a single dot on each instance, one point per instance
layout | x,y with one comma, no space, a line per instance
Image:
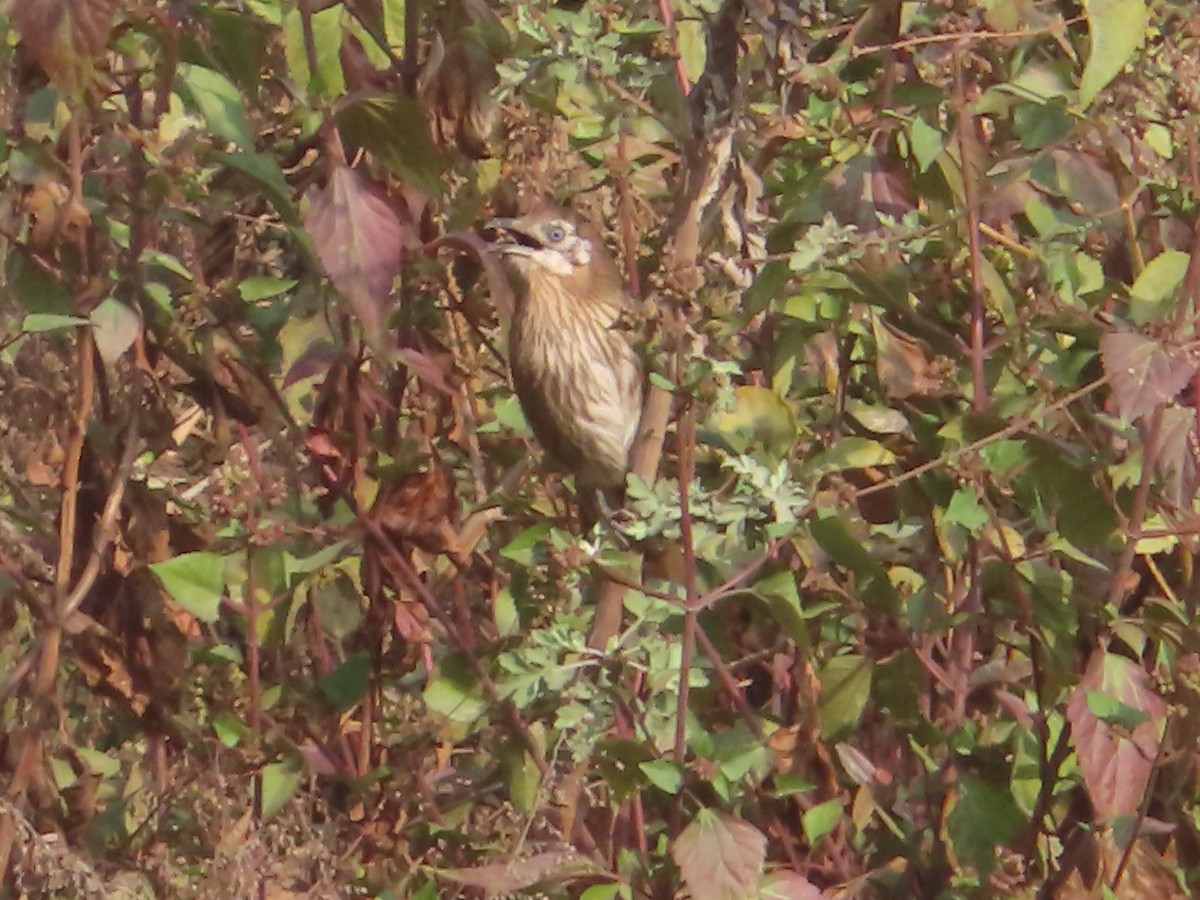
547,238
556,254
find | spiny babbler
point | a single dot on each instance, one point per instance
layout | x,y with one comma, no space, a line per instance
576,374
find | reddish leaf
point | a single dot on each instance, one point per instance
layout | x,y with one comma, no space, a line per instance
557,866
788,885
320,760
1176,460
65,36
359,240
720,857
317,359
1145,374
319,443
860,191
412,622
1116,763
426,368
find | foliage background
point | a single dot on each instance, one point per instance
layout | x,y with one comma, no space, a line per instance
287,609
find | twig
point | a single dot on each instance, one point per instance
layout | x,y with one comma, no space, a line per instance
976,36
418,587
668,19
106,527
1137,513
1019,424
645,454
729,683
968,149
686,454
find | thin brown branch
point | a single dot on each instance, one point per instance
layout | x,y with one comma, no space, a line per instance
966,37
729,683
668,19
969,152
687,466
106,526
417,585
1015,427
644,456
1119,584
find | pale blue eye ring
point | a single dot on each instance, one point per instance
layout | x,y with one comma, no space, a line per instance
555,233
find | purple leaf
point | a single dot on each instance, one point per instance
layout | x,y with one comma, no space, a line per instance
1116,762
1145,373
359,240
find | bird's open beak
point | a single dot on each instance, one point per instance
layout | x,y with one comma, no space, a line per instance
509,236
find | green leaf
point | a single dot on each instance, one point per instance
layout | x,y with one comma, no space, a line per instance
63,773
328,81
850,453
1117,29
348,683
266,172
196,581
757,416
527,546
783,601
238,41
878,418
219,102
601,892
153,257
523,777
787,785
822,819
663,774
303,565
926,143
394,130
505,615
1039,125
454,699
966,510
260,287
339,603
37,322
279,783
984,818
39,291
98,761
229,731
845,687
1113,711
836,540
1155,290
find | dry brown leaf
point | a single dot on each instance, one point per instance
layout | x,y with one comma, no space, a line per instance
65,36
720,857
557,866
903,363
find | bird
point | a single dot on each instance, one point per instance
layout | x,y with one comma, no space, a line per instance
576,373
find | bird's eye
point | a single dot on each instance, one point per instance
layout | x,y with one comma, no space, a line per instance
555,233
